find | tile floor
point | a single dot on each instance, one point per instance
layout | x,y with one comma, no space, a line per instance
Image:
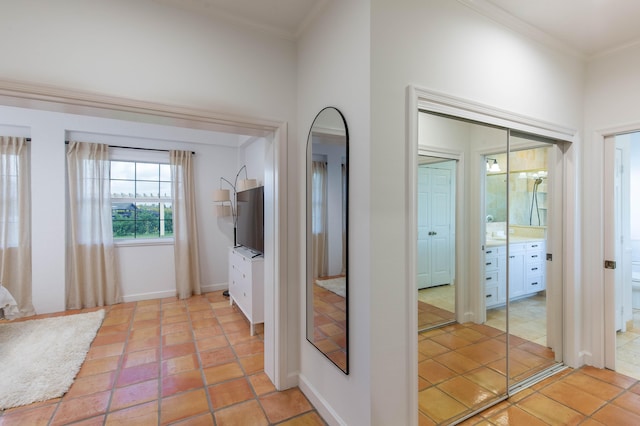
330,325
628,349
167,361
462,367
193,363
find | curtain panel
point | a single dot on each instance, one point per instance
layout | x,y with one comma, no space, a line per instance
320,267
92,278
185,229
15,225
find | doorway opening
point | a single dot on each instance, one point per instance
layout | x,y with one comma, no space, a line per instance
623,169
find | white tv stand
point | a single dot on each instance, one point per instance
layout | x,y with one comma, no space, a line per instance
246,284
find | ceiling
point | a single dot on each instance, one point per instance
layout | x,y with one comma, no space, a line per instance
585,27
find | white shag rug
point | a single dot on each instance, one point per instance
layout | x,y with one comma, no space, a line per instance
336,285
39,359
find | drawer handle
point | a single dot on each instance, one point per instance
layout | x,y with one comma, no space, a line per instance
512,257
489,278
488,263
488,296
534,269
536,283
534,245
534,256
489,251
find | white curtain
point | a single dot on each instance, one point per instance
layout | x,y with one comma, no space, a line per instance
185,230
92,278
15,225
320,267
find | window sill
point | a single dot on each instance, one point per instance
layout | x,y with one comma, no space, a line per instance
144,242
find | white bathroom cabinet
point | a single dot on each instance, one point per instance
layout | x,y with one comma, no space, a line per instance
526,271
246,284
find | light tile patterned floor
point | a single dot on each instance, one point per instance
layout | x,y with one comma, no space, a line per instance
628,349
167,361
193,363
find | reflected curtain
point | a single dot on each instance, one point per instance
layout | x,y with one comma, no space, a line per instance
344,218
185,230
15,224
319,218
92,278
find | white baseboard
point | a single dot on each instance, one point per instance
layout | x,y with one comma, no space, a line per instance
170,293
148,296
214,287
326,411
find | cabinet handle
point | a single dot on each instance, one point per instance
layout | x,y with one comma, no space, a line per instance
489,251
534,245
512,257
488,296
536,283
533,256
488,263
489,278
534,269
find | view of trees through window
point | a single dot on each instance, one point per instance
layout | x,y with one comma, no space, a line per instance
141,200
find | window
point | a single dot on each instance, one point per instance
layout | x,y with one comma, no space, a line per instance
141,200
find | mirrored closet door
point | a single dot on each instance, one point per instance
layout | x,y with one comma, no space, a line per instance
487,320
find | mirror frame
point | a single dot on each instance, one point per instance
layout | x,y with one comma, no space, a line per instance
309,284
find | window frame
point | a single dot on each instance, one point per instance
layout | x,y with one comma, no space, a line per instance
134,155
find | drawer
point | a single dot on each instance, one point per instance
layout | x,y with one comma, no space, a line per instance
535,257
536,245
490,279
534,268
534,284
492,252
491,264
491,295
515,248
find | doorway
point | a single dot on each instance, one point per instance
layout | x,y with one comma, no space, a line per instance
622,246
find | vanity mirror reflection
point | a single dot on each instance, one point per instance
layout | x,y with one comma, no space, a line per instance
327,242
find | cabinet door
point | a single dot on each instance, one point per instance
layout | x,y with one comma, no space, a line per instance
516,274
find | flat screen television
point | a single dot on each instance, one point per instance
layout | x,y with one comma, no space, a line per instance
250,225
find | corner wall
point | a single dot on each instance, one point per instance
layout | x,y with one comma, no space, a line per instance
333,70
443,46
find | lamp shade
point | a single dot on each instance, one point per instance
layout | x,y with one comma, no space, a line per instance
221,195
244,184
223,211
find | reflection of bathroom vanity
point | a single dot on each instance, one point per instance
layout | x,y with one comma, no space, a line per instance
526,269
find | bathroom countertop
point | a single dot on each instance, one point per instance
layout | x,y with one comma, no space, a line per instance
496,242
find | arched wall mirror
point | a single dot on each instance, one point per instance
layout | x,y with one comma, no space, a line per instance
488,210
327,242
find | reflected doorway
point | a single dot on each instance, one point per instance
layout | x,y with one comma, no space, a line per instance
436,241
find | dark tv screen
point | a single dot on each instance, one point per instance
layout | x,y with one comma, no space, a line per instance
250,227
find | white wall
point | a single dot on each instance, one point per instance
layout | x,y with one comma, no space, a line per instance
146,271
612,90
148,51
443,46
333,70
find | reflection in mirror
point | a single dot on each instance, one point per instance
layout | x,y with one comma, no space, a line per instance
436,241
327,202
462,365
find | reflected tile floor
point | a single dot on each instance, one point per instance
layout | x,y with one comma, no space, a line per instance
169,361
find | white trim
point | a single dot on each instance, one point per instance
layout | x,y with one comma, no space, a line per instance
504,18
424,99
327,413
50,98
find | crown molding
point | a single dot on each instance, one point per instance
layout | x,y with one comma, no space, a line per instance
58,99
505,19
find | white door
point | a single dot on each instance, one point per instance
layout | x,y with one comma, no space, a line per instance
617,279
435,225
